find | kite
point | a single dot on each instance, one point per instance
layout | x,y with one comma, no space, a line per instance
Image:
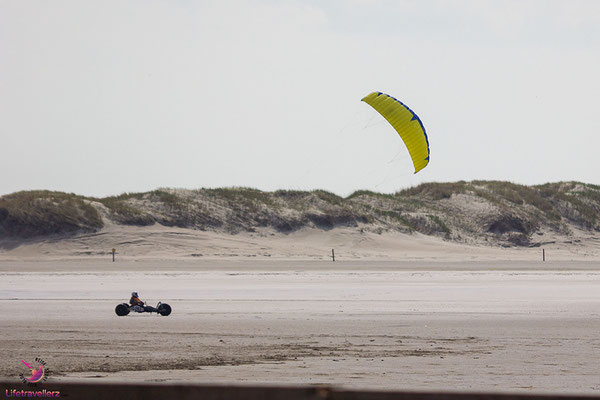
406,123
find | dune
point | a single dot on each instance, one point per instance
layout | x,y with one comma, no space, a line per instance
350,244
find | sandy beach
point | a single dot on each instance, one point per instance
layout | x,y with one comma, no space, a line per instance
488,322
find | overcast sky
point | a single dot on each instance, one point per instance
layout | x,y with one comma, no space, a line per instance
104,97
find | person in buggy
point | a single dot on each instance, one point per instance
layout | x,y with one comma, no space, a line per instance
138,305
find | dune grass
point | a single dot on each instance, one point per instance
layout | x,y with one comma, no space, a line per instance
43,212
429,208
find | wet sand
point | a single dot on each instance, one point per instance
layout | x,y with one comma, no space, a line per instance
501,326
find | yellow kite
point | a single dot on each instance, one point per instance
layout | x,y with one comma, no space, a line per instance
406,123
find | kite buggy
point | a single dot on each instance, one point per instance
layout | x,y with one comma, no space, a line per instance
137,305
161,308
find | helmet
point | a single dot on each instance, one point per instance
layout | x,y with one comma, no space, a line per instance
134,294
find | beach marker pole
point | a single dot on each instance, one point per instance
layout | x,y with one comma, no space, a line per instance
113,253
332,255
543,255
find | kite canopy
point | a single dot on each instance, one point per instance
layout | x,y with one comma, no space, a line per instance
406,123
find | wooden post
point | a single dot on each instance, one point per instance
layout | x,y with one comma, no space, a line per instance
113,253
333,255
543,255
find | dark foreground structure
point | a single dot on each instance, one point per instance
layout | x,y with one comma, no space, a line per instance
72,391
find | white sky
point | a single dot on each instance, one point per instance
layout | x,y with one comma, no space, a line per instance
102,97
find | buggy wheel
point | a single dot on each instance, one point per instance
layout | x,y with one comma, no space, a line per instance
122,309
164,309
